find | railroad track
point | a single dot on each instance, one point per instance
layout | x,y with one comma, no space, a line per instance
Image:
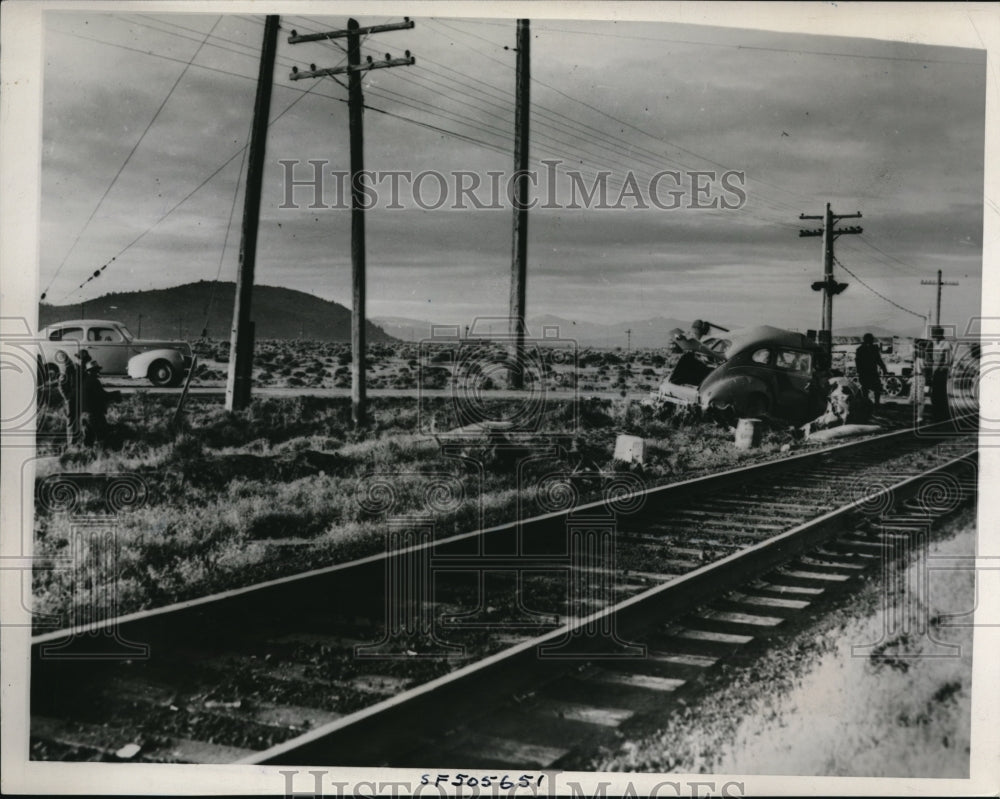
321,668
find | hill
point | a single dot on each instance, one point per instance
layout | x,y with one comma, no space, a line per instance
653,332
860,330
180,312
404,328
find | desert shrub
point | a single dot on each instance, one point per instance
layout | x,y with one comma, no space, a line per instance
434,377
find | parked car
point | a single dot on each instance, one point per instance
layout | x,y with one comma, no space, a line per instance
761,371
116,351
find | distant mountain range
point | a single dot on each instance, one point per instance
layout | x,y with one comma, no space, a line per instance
860,330
653,332
181,312
281,313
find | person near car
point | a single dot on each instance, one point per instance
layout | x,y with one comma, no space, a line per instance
940,363
71,390
96,400
85,400
868,359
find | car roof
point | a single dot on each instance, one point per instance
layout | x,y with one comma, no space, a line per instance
767,336
84,323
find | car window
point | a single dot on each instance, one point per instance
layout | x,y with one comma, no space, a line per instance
104,334
761,355
794,361
67,334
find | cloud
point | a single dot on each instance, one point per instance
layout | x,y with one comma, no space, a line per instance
891,129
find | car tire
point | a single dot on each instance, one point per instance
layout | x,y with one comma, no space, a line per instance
162,373
893,386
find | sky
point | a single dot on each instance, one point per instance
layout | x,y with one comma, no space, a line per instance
140,110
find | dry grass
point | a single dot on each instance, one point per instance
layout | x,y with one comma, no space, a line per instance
237,498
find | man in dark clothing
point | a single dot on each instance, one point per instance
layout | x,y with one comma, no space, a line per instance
940,363
96,400
868,360
86,400
71,390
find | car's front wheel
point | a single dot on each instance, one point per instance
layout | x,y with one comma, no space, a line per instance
162,373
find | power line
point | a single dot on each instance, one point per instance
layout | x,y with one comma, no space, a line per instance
878,293
249,50
128,158
225,238
186,197
890,257
781,205
794,51
159,55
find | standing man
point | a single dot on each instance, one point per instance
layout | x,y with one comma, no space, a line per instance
71,391
96,399
868,360
940,358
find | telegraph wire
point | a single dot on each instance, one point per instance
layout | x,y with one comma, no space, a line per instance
125,163
778,203
878,293
186,197
225,238
793,51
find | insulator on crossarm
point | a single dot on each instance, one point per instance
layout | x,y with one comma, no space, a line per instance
370,59
295,70
312,67
388,56
407,53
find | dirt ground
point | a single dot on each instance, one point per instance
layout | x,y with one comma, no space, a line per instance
862,690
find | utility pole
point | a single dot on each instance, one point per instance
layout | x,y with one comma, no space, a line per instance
939,283
519,260
355,110
628,348
828,285
238,382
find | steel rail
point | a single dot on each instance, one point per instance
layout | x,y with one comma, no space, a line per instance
186,612
367,735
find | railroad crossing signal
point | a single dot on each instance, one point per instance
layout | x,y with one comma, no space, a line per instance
828,285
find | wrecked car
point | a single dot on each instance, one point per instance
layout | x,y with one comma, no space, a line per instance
758,372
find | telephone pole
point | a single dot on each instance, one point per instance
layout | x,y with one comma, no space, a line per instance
519,259
628,347
828,285
355,110
239,379
939,283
